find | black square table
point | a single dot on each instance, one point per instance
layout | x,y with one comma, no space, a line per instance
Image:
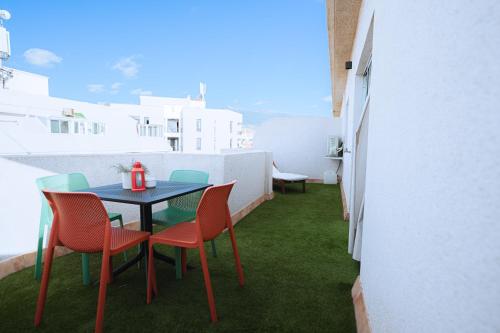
163,191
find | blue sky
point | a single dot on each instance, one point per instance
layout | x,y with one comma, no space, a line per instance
263,58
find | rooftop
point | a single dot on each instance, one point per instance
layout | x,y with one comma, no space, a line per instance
298,278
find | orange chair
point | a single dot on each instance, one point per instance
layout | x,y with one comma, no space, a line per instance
212,217
81,224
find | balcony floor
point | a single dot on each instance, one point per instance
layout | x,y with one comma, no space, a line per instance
298,278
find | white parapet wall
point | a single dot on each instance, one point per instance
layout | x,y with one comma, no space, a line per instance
299,144
20,208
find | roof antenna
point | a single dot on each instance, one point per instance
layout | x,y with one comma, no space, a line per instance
5,74
203,90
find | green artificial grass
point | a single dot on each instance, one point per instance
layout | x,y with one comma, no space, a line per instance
298,278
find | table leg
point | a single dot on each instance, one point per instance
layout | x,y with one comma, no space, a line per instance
146,225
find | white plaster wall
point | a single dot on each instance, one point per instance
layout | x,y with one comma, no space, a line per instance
20,209
27,133
299,144
28,83
352,105
431,253
215,124
251,170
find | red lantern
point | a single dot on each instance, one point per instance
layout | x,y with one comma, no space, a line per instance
138,178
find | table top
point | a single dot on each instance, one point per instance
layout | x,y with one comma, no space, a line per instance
164,190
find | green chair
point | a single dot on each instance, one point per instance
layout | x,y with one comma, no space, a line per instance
63,182
183,208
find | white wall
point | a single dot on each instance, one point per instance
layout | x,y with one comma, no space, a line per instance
28,83
20,209
27,133
431,253
254,174
299,144
215,135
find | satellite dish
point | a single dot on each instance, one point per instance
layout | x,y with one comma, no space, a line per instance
4,15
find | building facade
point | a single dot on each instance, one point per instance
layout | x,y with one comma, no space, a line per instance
416,85
191,127
32,121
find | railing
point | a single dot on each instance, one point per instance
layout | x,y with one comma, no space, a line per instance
150,130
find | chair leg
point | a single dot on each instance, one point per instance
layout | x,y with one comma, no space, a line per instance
214,249
184,260
239,269
178,263
152,287
208,283
110,269
42,296
85,269
303,186
39,255
283,187
103,284
120,219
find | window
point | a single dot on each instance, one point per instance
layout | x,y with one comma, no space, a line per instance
173,126
59,126
198,125
54,126
230,143
98,128
64,126
174,143
230,127
198,143
146,120
75,127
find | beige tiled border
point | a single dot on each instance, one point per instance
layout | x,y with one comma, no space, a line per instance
362,322
344,202
26,260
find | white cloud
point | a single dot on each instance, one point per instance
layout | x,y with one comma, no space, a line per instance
98,88
115,88
260,102
95,88
127,66
141,92
41,57
327,99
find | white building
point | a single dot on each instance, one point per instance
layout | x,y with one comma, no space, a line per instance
31,121
416,85
191,127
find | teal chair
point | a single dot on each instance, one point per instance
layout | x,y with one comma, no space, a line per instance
183,208
63,182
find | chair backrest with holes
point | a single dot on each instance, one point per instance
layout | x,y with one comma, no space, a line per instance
81,220
62,183
213,214
188,203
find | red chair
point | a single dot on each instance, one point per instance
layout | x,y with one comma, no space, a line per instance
81,224
212,218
